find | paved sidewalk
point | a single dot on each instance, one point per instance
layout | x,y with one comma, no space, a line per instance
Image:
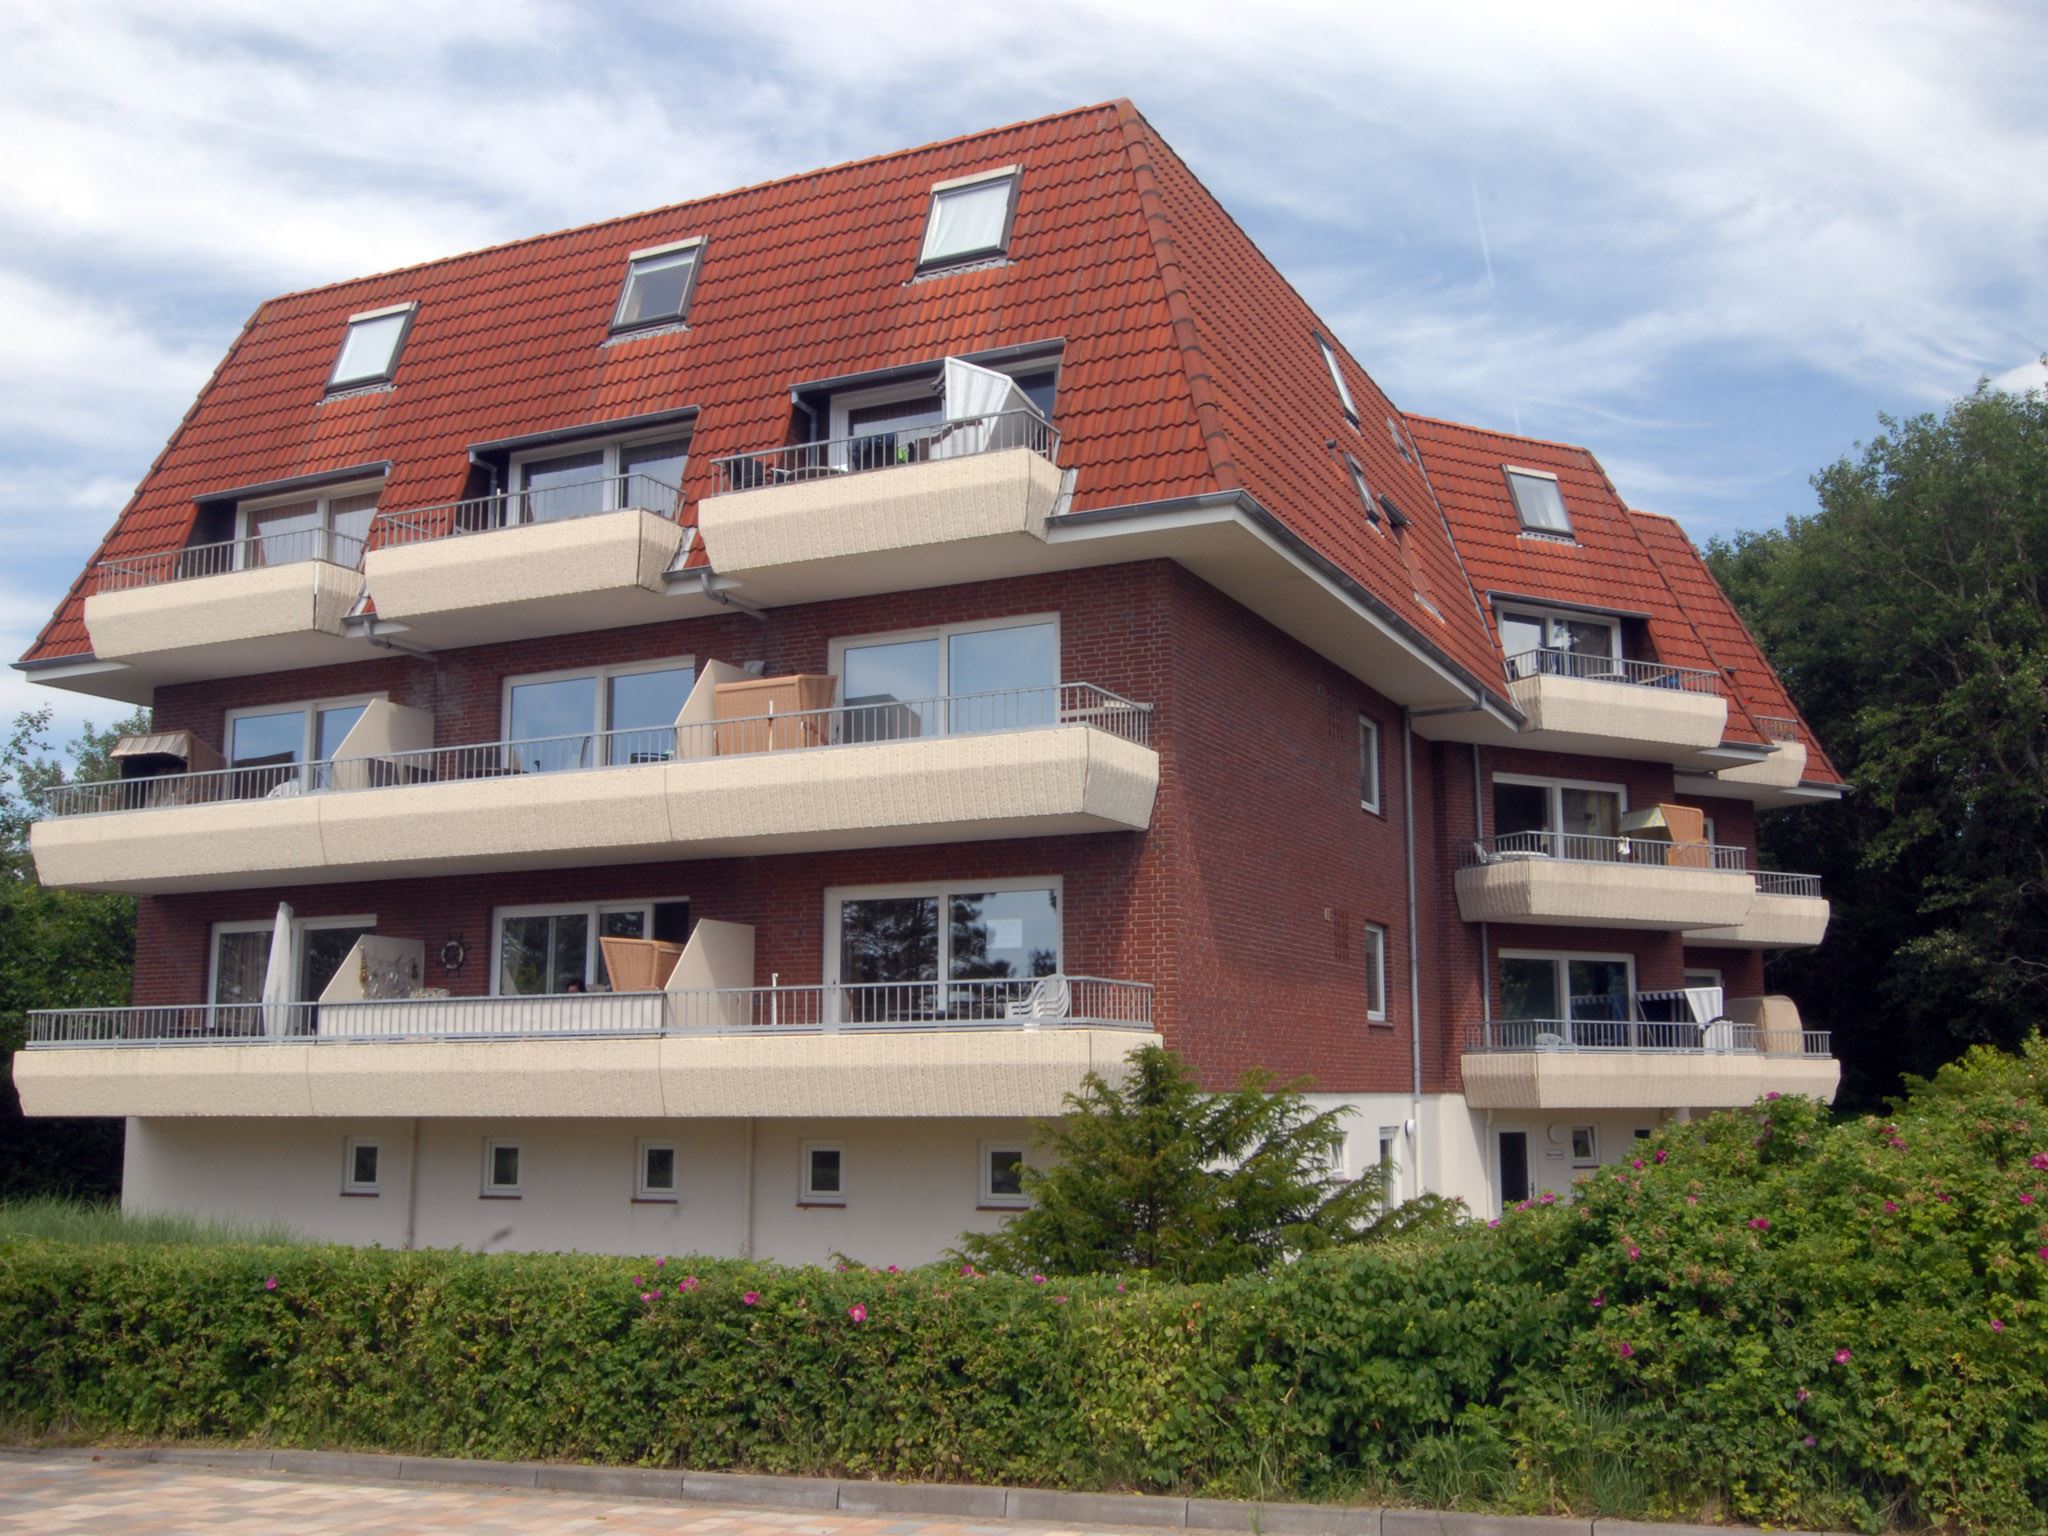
59,1497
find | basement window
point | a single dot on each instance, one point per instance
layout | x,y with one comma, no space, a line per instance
359,1166
1002,1175
824,1174
659,282
501,1169
370,347
1337,378
970,218
657,1171
1538,502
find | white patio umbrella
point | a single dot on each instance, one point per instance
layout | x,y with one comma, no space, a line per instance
277,975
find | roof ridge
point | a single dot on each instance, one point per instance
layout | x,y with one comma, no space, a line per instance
1138,138
1115,104
1519,437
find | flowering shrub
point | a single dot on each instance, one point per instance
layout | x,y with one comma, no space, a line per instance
1775,1318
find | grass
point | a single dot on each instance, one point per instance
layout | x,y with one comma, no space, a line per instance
54,1218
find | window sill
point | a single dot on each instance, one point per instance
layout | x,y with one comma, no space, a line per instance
1019,1206
657,1200
361,1194
821,1205
500,1195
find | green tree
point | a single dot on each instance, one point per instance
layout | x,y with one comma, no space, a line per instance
1154,1174
57,949
1907,617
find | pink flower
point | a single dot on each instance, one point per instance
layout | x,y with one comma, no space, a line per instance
2038,1160
647,1296
2026,1199
1626,1350
2044,1255
658,1263
892,1270
1843,1357
1546,1198
1634,1252
1760,1223
1998,1325
1890,1206
1059,1300
1692,1199
857,1312
1772,1095
1635,1162
1662,1154
1600,1300
639,1280
751,1299
1119,1287
1802,1394
1809,1442
1494,1222
270,1283
1038,1279
690,1283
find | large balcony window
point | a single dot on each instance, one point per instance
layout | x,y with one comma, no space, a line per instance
979,951
1562,818
542,951
269,745
955,680
604,717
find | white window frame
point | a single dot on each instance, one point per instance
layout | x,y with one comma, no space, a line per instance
612,448
493,1190
601,675
1376,972
593,910
323,499
990,1200
647,1193
836,896
1369,755
1554,807
1592,1157
1522,525
1694,971
623,327
409,309
309,740
1560,960
350,1185
839,645
927,262
806,1195
1337,378
1707,830
300,926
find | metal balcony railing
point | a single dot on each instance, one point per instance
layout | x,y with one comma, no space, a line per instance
1771,882
516,509
123,573
1611,669
1721,1037
1779,727
856,724
889,450
999,1003
1580,848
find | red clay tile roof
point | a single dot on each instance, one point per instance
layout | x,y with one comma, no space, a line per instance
1189,365
1734,648
1606,565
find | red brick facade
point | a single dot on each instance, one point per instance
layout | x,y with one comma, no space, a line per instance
1246,904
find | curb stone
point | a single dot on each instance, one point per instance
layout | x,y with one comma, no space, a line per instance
960,1500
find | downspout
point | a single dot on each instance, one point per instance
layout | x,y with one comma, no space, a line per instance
1485,943
412,1186
1414,939
747,1195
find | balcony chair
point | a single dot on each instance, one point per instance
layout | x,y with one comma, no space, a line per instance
1049,998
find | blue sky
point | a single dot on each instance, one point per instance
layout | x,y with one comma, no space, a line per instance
1711,242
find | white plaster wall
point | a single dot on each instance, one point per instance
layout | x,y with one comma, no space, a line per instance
912,1186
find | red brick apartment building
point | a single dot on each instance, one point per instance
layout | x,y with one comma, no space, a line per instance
692,733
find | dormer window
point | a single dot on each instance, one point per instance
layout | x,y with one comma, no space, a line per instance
658,285
970,218
369,350
1538,502
1337,378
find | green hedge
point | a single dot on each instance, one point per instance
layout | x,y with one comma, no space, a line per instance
1772,1318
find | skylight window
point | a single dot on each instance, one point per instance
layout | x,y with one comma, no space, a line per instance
658,284
369,351
1357,473
1538,502
1337,378
970,218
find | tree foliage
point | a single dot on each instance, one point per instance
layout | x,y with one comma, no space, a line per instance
57,949
1907,617
1155,1175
